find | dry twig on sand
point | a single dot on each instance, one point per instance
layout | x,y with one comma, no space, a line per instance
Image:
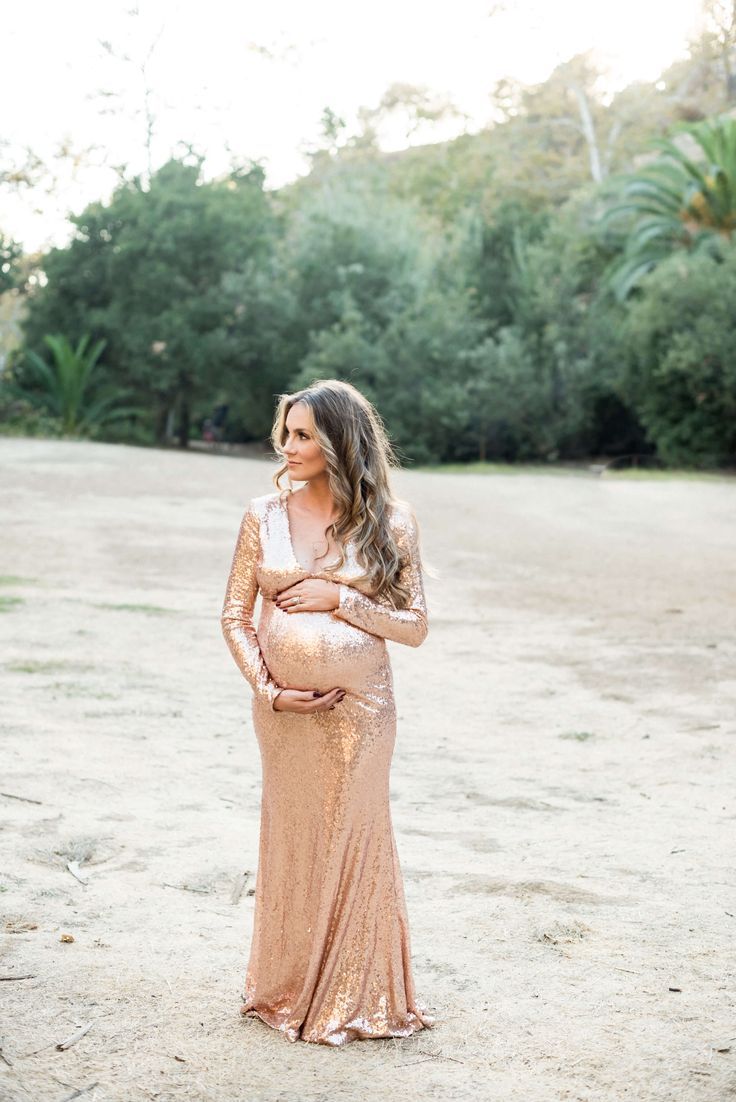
25,799
63,1045
77,1093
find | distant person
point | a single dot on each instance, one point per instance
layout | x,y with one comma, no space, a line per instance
337,563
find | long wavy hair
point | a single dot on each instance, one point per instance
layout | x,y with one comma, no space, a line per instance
359,459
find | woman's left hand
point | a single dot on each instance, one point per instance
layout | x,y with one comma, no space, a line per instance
314,595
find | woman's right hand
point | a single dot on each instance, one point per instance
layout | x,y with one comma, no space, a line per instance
306,701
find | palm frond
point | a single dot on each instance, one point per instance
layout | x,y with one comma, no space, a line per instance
675,203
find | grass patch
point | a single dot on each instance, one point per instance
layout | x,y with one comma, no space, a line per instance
589,470
579,736
670,475
6,603
16,579
149,610
33,666
498,468
76,688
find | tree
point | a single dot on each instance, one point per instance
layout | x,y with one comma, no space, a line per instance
718,41
411,106
556,134
142,63
683,200
67,389
680,361
382,302
147,273
10,255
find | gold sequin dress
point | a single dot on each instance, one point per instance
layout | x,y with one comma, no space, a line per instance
330,958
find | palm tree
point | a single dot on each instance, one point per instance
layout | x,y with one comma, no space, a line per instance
676,203
65,387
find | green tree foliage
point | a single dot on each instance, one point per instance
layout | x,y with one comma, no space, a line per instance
383,302
717,45
494,259
684,200
10,256
681,359
148,273
546,382
463,286
66,388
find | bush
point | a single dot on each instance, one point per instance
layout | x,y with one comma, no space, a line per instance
18,417
681,370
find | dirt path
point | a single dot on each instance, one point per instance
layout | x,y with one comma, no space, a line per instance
562,790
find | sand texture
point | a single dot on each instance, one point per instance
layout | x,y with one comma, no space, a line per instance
562,790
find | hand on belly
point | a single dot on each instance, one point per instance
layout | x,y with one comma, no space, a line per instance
315,650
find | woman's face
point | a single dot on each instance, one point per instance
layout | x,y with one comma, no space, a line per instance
305,456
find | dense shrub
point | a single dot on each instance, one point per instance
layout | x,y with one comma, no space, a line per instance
681,369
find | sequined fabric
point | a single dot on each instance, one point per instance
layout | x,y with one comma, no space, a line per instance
330,957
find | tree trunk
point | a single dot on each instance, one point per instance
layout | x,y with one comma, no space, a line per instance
588,128
160,422
184,420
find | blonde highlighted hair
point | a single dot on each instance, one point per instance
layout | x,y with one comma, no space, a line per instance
359,458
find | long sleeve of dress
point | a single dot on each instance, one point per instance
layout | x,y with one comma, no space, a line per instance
406,625
237,610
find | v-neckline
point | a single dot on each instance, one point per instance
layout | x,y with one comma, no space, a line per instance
292,550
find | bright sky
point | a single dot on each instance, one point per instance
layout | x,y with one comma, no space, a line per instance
247,80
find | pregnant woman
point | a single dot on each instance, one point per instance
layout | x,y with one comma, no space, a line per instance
338,568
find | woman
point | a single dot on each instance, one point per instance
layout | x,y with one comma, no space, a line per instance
338,567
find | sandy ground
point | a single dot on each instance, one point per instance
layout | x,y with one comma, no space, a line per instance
562,790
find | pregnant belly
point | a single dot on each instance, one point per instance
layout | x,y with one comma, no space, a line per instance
315,650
